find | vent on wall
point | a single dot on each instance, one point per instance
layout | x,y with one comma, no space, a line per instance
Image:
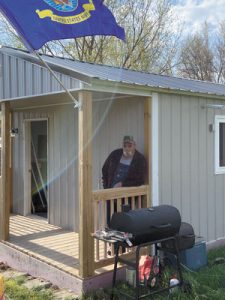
214,106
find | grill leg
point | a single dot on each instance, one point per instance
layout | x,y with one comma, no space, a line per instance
156,249
178,261
115,269
137,273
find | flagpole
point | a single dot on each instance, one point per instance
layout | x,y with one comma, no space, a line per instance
77,104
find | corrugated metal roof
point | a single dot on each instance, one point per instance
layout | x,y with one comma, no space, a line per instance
103,72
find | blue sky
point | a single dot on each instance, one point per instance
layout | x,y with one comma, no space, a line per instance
195,12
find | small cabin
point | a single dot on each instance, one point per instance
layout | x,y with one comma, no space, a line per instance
52,154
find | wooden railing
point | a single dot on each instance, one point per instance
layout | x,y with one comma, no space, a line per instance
136,197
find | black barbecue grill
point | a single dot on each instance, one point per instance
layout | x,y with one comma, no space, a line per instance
185,238
160,226
148,224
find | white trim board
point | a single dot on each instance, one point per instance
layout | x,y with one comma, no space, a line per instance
155,149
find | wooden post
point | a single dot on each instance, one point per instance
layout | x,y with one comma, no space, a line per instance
5,184
86,242
147,145
11,166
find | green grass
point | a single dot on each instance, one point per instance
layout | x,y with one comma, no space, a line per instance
14,291
206,284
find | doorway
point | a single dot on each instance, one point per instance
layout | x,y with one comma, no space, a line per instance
36,164
39,187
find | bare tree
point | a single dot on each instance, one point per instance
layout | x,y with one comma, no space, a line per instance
8,35
219,57
150,44
196,57
202,55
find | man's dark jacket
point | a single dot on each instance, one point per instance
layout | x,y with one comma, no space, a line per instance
136,174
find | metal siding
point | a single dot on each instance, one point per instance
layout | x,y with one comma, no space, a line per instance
51,170
72,168
194,159
23,78
13,78
165,146
17,143
21,83
28,79
63,150
176,155
202,172
1,76
6,78
185,158
56,180
187,180
219,205
211,177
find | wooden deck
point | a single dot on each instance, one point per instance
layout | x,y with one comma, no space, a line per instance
51,244
59,248
52,253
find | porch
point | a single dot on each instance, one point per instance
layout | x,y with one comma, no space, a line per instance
75,254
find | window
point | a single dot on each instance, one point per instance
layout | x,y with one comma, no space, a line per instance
220,144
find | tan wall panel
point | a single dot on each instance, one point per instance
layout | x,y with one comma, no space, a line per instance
186,163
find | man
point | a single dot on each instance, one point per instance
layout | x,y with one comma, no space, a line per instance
124,167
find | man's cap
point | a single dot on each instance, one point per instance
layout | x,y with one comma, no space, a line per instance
128,139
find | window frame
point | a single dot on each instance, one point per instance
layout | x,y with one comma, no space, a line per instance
218,120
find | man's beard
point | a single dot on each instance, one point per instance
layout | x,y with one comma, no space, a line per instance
128,153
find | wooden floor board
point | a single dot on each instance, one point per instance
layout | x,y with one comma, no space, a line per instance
49,243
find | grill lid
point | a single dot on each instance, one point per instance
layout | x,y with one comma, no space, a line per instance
148,224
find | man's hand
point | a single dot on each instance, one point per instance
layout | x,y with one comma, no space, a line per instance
118,184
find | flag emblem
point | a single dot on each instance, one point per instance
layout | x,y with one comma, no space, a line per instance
63,5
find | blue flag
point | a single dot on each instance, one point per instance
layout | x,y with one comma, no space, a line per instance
40,21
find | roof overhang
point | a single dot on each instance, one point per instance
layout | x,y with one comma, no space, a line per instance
62,98
143,90
102,91
44,100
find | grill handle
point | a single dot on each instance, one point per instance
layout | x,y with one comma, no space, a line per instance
163,226
187,236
